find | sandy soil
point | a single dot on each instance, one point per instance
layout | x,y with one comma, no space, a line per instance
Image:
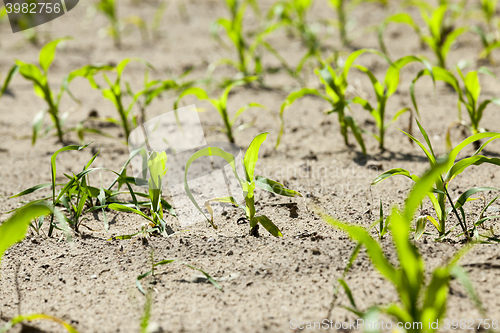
267,282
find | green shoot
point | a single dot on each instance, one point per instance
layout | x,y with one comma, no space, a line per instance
439,37
292,14
39,76
220,105
439,195
12,72
383,91
78,197
115,93
108,8
14,229
335,87
470,99
248,185
165,262
38,316
233,26
418,301
156,165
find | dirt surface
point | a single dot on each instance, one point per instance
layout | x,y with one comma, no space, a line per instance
90,282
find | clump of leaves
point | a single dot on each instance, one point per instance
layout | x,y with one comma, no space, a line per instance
117,92
78,197
489,35
383,91
440,34
452,168
248,185
334,81
220,104
234,28
418,301
292,14
39,76
157,169
469,96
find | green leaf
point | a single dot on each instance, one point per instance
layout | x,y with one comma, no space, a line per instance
420,228
373,248
275,187
269,225
48,52
209,151
289,101
198,92
395,172
127,209
37,316
252,155
14,229
12,72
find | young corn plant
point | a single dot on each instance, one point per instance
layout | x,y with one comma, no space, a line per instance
292,14
114,92
233,26
166,262
153,89
469,96
220,104
108,8
489,34
340,6
439,37
157,169
452,168
39,76
384,90
248,186
418,301
78,197
335,85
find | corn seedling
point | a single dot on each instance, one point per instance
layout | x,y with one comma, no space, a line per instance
489,35
439,195
439,37
292,14
115,92
469,96
233,26
12,72
220,105
383,91
170,261
335,85
77,197
340,6
38,75
248,185
108,8
418,301
154,88
157,167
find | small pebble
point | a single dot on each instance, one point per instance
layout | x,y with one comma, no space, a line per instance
93,277
229,253
211,240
